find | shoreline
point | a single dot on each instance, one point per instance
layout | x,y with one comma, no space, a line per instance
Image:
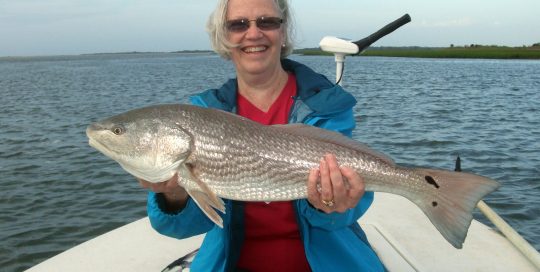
468,52
462,52
104,54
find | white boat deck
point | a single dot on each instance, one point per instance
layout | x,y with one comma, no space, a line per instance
400,233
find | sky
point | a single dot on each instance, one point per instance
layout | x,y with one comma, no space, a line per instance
66,27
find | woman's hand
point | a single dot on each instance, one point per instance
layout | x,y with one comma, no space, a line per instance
175,196
332,188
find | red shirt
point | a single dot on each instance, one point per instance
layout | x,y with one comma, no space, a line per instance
272,239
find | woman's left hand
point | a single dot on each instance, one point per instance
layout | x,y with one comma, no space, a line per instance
332,188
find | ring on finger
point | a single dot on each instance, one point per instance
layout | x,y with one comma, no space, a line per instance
328,203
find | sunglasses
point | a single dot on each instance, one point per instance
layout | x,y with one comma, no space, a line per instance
263,23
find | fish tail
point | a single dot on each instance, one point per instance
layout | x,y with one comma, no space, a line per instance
456,195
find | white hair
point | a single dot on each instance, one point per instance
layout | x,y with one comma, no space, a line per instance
216,28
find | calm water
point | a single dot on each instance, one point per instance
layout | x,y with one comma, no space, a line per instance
58,192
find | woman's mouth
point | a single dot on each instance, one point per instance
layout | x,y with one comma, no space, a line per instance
254,49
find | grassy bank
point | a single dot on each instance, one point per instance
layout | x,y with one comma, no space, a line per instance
477,52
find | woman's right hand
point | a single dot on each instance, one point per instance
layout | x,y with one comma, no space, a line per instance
175,196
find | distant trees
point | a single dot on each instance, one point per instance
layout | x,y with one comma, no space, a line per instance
472,45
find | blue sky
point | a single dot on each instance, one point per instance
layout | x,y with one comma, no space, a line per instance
56,27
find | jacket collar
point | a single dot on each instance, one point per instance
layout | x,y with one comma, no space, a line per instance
313,89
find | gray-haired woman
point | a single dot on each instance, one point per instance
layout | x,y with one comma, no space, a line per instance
320,233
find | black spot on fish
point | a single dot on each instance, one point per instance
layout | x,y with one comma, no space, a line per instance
434,203
432,181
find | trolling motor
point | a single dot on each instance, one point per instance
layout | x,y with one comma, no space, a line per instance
342,47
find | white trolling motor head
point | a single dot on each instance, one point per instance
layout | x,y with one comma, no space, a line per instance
338,46
342,47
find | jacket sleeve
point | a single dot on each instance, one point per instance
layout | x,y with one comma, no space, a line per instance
186,223
344,123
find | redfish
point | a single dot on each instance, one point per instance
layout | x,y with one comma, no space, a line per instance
221,155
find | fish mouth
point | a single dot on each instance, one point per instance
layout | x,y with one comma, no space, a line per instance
101,148
95,144
91,131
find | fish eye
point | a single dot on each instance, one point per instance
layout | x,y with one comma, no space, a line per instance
118,130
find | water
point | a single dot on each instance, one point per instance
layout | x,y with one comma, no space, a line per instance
58,192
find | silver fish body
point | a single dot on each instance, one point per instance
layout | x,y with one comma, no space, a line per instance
221,155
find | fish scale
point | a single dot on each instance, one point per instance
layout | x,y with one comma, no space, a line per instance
221,155
261,169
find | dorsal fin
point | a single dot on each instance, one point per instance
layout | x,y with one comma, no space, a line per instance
333,138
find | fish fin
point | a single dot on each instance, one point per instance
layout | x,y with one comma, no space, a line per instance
202,200
332,137
450,208
203,196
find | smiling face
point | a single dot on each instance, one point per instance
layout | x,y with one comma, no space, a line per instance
258,51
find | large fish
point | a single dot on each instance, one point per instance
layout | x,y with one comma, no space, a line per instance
221,155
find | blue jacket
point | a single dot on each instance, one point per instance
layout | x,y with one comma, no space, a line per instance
332,242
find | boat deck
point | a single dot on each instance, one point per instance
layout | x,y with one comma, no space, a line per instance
399,232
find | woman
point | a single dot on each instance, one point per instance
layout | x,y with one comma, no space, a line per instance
320,233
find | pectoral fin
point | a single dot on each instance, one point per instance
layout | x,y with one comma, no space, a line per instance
203,202
203,196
